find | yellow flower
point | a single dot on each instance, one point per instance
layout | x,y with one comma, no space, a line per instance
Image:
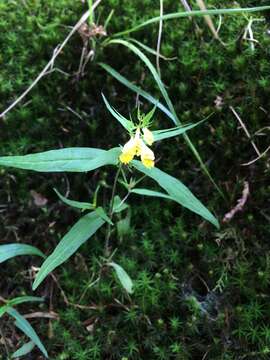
148,136
147,156
136,146
131,148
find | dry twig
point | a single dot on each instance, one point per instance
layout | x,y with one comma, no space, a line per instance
245,129
50,64
240,204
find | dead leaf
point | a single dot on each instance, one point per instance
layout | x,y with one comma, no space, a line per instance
39,199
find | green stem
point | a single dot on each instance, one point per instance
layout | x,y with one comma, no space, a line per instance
108,234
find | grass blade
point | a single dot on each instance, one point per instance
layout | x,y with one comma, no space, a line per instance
177,15
137,89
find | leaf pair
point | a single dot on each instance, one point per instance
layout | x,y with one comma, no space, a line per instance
158,134
77,159
22,324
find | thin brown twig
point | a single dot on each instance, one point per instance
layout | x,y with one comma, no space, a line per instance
66,301
209,21
188,8
57,51
245,130
257,158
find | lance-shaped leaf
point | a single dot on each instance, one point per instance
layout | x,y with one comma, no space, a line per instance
69,159
123,277
177,190
18,300
137,89
147,192
119,205
127,124
23,350
73,203
9,251
172,132
27,329
77,235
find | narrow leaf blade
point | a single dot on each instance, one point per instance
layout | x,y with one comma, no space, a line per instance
147,192
73,203
127,124
24,350
27,329
9,251
69,159
76,236
181,14
177,190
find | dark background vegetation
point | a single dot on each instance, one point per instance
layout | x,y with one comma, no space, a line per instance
199,293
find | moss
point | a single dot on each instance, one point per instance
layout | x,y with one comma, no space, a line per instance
197,291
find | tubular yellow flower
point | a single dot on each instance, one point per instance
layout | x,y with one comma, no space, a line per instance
147,156
128,151
136,147
148,136
131,148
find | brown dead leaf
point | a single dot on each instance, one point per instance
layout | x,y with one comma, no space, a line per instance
39,199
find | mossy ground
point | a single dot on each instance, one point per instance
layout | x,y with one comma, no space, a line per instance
199,293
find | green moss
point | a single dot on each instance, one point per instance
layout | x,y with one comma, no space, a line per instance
196,291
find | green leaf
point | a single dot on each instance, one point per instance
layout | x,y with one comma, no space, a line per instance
150,50
73,203
23,350
147,118
123,277
118,206
137,89
127,124
177,190
147,192
165,94
18,300
11,250
101,212
176,131
69,159
27,329
69,244
22,299
123,225
181,14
